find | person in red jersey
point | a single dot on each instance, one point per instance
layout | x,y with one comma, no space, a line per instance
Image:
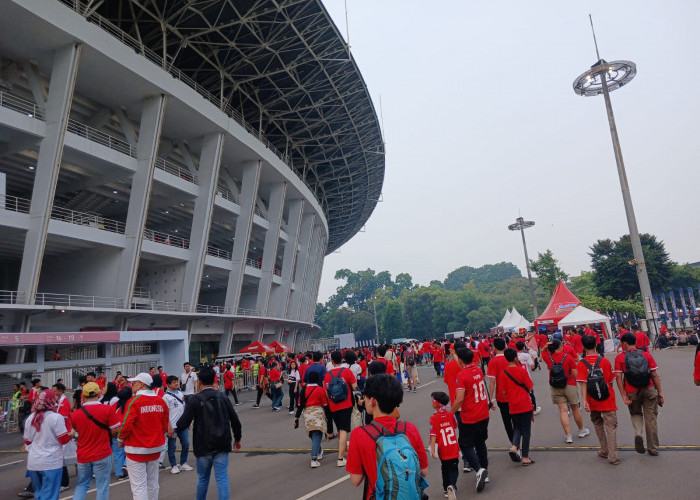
438,358
567,396
230,382
484,353
383,394
642,339
443,442
517,387
381,352
472,403
696,372
312,401
142,435
473,348
101,381
340,411
603,412
94,422
643,399
452,369
496,385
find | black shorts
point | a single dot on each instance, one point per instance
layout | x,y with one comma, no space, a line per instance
342,419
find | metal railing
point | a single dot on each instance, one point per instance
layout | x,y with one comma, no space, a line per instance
226,194
207,309
249,312
161,305
217,252
257,264
69,300
11,297
141,293
87,219
14,204
23,106
166,239
260,213
175,170
99,137
81,7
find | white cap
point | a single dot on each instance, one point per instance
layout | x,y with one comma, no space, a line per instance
142,377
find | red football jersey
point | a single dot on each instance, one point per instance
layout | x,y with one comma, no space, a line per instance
444,427
582,376
475,406
495,370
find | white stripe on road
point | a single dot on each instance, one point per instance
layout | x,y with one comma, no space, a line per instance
423,385
324,488
12,463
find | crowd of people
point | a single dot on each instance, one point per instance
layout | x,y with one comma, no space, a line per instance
128,426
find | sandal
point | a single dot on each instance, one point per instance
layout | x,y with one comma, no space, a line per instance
514,456
531,462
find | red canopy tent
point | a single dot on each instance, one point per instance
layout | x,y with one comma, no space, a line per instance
280,347
257,347
561,304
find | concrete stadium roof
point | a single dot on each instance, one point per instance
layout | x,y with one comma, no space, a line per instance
285,68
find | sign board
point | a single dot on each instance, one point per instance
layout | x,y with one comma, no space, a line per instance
57,338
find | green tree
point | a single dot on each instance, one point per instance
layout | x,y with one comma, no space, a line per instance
362,323
548,272
613,274
583,284
489,273
684,276
482,319
393,324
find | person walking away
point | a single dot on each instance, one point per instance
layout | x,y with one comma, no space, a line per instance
340,383
472,403
484,347
263,385
438,358
142,435
312,401
452,369
94,423
443,443
214,421
230,383
388,454
45,433
518,386
595,376
276,385
189,384
640,387
494,372
562,386
529,362
176,406
381,352
293,378
410,359
69,449
120,472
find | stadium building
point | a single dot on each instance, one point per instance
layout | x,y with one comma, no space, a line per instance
172,174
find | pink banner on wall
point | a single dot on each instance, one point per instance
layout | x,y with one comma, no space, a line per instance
57,338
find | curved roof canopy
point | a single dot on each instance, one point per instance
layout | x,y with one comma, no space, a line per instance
284,68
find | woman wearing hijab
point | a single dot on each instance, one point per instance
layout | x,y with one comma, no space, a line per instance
124,396
45,433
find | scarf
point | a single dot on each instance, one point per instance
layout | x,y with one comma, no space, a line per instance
46,401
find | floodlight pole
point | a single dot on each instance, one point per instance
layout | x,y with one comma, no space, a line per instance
376,327
521,225
602,78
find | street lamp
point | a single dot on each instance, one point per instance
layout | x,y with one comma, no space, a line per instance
376,327
521,225
602,78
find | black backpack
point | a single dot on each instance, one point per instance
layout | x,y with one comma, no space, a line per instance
596,386
410,358
637,372
337,388
558,377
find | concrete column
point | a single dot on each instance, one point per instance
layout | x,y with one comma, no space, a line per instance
272,238
226,340
310,274
209,164
244,227
146,154
318,267
48,165
302,258
279,303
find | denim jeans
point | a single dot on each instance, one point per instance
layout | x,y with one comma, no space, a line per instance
46,483
119,458
184,436
316,437
277,396
101,469
220,463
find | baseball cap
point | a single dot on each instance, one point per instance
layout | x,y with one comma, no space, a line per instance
142,377
91,389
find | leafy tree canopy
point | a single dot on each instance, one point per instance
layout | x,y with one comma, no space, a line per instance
548,272
490,273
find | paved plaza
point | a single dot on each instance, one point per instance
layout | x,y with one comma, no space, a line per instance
275,460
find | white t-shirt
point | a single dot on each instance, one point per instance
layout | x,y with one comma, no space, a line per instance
176,405
356,370
45,452
526,359
293,376
189,379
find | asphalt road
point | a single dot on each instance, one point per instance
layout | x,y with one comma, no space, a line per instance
275,459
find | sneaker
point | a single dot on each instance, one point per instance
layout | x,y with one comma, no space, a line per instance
315,463
186,466
451,493
341,462
414,390
320,455
161,466
538,410
487,478
276,408
256,406
445,493
292,412
239,404
481,476
25,494
639,444
466,468
175,470
583,432
123,477
63,488
569,438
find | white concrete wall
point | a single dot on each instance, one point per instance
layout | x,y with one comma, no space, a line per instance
90,272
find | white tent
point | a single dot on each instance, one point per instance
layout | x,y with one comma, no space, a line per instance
523,323
583,316
505,319
514,319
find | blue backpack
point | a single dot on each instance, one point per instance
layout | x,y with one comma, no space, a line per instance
398,467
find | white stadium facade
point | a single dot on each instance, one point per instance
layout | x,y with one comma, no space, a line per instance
172,175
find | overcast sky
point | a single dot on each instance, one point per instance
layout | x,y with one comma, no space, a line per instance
482,125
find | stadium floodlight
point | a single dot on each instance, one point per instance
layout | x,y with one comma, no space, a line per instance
603,78
520,225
